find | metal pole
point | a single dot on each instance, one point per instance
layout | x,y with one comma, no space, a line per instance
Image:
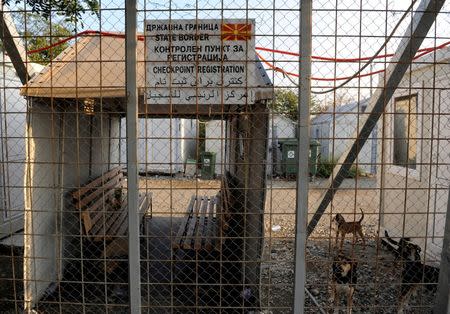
132,173
12,45
303,155
442,304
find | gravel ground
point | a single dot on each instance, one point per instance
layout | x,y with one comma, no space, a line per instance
378,276
376,292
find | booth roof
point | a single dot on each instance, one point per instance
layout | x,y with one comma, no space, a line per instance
94,67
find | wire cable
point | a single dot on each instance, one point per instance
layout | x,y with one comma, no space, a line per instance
405,14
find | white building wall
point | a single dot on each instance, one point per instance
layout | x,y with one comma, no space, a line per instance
215,142
336,135
418,208
189,139
279,128
40,239
320,132
115,142
163,144
59,152
12,150
216,138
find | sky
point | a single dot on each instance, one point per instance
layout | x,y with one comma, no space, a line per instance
341,28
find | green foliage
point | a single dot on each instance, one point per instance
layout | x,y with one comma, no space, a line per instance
325,169
201,139
71,10
38,33
285,102
355,172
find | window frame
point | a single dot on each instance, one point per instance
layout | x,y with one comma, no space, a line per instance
405,170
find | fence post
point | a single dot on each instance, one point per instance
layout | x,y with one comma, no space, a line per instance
132,174
443,293
303,155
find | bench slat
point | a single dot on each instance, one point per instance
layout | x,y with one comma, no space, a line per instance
87,221
97,230
184,223
120,226
190,233
99,191
107,216
210,227
224,209
93,213
218,233
199,229
142,205
200,234
114,226
78,194
100,222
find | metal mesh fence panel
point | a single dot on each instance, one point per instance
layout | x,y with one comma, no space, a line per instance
218,157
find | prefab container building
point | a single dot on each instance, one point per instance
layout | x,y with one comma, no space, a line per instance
334,130
415,175
280,127
164,144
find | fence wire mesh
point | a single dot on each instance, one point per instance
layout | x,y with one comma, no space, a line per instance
217,156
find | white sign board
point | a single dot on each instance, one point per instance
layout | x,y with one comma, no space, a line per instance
200,61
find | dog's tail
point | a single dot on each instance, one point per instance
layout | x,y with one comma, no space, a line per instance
390,240
362,217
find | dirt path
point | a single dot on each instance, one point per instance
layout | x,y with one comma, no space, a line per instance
171,196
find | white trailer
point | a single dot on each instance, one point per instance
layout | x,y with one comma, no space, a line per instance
416,148
335,128
164,144
280,127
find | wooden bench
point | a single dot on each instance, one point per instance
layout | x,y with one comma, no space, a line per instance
205,223
103,211
198,230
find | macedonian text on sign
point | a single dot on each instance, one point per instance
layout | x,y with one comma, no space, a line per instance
200,62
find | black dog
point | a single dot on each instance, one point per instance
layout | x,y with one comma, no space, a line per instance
414,271
405,249
344,278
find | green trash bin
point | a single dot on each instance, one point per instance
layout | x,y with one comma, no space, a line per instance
289,158
313,157
208,160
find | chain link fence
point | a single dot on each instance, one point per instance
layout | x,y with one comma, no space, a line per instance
219,168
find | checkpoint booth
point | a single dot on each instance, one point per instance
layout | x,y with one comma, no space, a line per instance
197,69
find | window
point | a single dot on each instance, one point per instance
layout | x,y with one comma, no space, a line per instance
405,132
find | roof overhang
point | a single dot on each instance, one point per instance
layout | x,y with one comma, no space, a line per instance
94,67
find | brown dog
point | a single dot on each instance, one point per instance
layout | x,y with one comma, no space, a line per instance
343,280
344,227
